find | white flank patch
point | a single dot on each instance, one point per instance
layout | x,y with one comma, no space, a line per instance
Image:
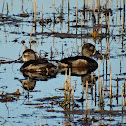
80,63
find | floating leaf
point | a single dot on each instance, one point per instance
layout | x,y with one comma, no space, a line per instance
14,93
7,99
95,34
24,15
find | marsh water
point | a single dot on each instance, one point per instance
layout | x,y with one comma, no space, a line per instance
56,29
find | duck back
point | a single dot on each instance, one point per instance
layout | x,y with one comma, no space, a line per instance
78,61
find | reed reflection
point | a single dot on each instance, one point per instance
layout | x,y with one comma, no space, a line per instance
70,102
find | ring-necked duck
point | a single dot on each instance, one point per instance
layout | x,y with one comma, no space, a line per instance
88,50
32,63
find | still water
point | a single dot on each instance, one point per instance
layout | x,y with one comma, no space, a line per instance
59,29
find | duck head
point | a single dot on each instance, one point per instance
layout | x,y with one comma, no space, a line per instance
88,50
28,55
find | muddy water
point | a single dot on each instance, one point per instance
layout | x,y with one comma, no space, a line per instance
58,33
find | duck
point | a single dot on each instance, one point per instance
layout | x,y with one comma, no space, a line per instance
84,61
33,63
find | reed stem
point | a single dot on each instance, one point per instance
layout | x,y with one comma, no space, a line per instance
122,96
86,98
73,93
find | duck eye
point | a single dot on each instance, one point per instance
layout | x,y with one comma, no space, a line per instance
92,48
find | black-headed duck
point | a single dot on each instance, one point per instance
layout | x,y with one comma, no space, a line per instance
84,61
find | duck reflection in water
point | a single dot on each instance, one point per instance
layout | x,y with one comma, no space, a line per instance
39,76
28,84
35,66
81,64
91,80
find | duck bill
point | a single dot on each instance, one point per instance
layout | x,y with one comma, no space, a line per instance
97,55
20,59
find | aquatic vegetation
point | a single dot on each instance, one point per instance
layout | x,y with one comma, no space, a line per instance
56,30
